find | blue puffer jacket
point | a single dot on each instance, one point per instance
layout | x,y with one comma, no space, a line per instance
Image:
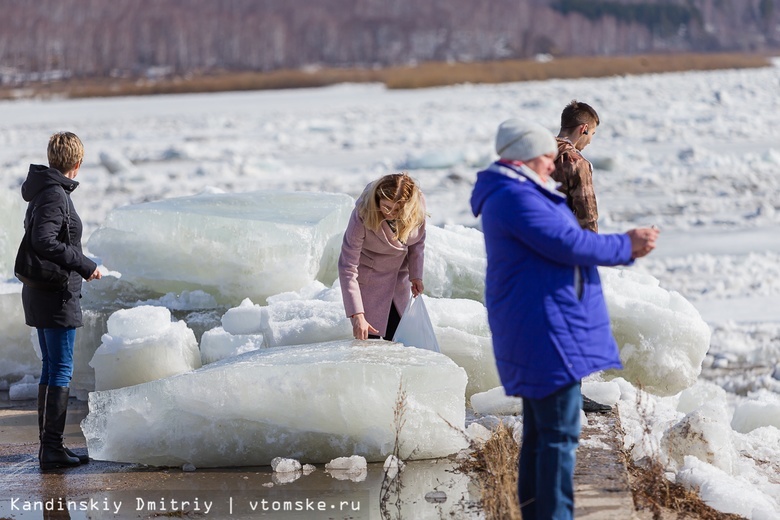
545,336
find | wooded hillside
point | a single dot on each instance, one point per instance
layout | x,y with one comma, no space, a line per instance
97,38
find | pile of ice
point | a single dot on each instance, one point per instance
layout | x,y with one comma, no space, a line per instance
723,446
662,337
143,344
230,245
306,402
240,332
316,314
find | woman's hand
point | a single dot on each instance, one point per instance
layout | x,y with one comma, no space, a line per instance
361,328
95,276
417,287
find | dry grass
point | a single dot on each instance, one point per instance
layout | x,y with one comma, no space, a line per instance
493,467
650,488
424,75
652,491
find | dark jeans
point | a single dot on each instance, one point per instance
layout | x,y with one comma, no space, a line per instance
393,319
57,355
551,431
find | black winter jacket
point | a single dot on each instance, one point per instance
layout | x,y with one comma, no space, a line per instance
48,209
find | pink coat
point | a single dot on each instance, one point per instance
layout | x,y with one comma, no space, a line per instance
375,269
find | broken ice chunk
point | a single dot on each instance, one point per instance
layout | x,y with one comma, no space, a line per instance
282,465
496,402
312,402
216,344
455,262
244,319
661,335
463,333
25,388
142,345
17,356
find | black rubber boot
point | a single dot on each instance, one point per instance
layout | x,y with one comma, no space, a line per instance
53,454
83,459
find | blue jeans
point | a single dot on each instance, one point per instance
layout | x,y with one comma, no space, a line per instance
551,431
57,353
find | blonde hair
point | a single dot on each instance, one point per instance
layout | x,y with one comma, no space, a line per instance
65,151
399,189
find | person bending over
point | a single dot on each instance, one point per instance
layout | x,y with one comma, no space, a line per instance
382,255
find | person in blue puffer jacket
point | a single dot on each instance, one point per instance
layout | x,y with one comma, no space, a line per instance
545,306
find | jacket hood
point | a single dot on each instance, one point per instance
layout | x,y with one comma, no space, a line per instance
41,177
488,182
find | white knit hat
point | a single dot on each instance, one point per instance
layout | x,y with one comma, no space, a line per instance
519,140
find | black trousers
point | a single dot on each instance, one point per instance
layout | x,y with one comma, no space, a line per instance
393,319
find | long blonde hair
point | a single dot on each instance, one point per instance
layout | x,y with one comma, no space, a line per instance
401,190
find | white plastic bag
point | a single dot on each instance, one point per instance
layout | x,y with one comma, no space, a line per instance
415,328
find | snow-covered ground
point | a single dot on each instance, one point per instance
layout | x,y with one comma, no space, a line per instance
694,153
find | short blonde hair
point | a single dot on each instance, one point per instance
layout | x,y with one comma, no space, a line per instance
399,189
65,151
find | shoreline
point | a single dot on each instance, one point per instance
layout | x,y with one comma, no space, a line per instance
423,75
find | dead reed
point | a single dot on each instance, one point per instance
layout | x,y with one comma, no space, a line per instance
493,467
654,492
651,489
429,74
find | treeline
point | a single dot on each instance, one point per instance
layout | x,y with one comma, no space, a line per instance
133,38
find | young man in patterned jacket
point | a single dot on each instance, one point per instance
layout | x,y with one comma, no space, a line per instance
575,173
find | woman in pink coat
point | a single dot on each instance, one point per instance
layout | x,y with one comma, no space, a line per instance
382,255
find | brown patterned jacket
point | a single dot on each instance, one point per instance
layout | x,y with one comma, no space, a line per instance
575,174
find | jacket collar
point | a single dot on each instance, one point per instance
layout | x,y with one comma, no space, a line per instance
524,173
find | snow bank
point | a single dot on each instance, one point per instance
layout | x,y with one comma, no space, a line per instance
305,402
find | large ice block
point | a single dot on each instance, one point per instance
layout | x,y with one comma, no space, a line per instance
232,246
17,356
463,333
143,344
309,402
661,335
455,262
